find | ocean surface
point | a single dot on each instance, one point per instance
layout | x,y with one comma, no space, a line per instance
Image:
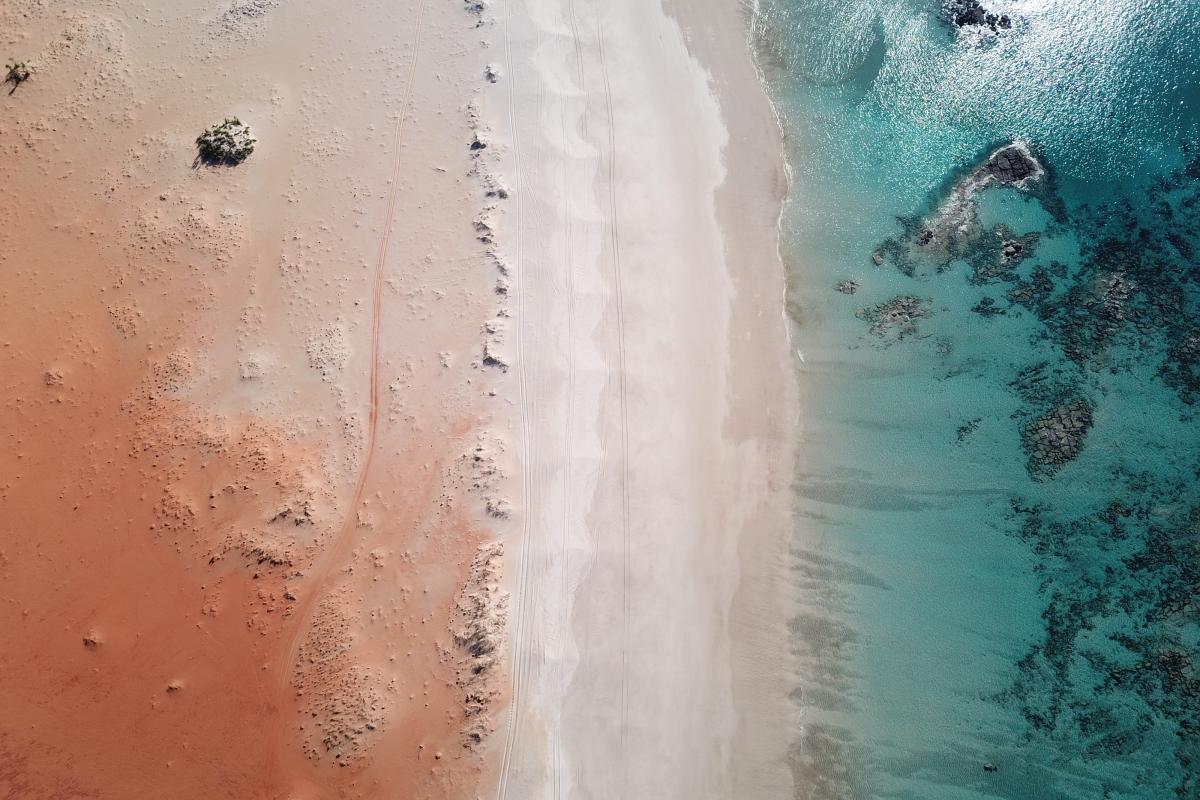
994,248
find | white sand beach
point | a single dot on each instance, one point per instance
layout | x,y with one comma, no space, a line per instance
653,403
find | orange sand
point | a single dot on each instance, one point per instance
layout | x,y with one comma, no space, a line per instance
236,507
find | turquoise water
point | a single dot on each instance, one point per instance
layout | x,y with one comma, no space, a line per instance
997,544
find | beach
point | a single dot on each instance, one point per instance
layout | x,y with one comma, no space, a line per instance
654,405
440,449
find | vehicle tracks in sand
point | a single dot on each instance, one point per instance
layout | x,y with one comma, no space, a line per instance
615,242
525,639
568,212
528,446
344,539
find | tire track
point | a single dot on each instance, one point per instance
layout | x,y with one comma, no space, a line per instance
615,240
569,429
569,260
344,537
528,447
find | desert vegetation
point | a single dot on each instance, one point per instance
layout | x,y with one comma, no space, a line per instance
16,73
229,143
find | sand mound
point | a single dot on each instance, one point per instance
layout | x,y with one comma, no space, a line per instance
342,702
478,625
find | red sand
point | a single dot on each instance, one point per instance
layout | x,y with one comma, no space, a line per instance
192,604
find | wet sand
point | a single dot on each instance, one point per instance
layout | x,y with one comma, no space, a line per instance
438,450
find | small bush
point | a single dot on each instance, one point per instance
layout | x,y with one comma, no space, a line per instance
227,143
18,73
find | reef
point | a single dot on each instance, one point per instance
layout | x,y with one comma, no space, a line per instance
1056,437
972,14
953,229
897,318
1115,673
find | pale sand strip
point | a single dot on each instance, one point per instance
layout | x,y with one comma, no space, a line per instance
655,404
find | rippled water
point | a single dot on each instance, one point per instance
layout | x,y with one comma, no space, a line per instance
998,501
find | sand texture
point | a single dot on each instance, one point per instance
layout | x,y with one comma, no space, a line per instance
437,450
654,403
241,524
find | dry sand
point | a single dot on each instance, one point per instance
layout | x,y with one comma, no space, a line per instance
655,403
242,404
439,450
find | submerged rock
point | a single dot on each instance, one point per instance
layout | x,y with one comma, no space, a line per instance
1056,438
954,230
971,13
896,318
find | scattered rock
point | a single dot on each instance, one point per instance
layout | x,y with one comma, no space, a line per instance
498,507
848,287
493,339
328,351
967,428
345,702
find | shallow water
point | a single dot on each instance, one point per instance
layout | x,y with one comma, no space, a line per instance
998,499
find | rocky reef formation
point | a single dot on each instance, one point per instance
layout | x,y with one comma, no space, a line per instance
1056,437
1181,368
953,230
972,14
1115,673
897,318
1116,669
